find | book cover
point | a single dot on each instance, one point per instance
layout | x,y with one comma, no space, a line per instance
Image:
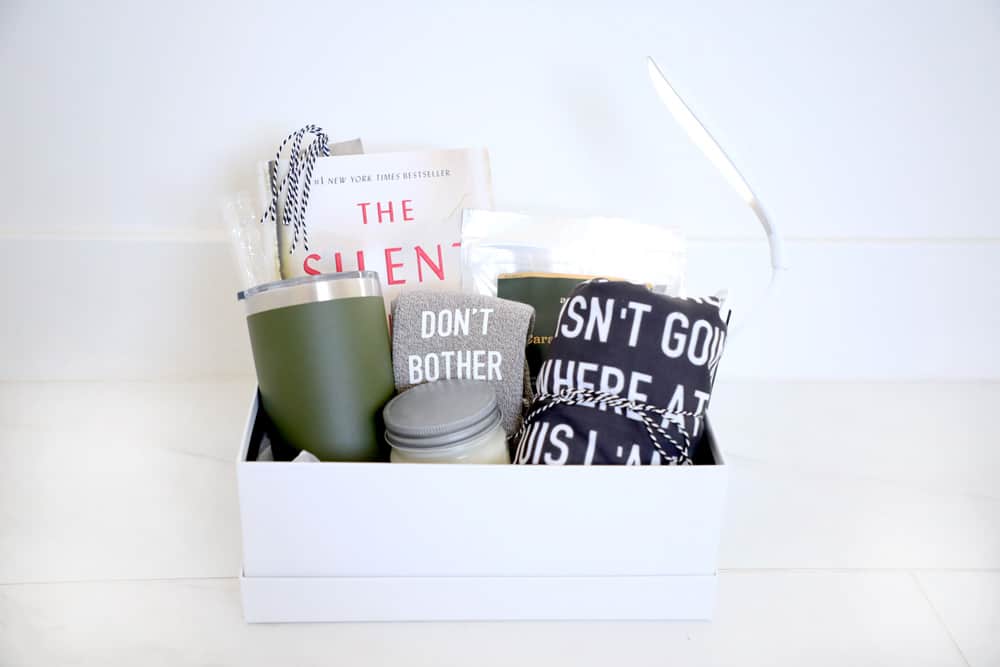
546,293
399,214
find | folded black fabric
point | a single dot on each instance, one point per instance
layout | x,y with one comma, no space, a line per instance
628,379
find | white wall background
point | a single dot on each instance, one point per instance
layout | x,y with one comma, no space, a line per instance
868,129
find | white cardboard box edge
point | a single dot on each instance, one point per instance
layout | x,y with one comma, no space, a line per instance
354,599
624,588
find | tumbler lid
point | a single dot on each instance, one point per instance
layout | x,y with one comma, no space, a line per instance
310,289
440,414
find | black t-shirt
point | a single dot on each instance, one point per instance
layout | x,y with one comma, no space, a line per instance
617,345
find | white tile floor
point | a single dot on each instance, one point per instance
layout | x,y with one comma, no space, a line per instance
863,527
968,603
770,618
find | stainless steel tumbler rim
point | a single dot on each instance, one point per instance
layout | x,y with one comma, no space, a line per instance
310,289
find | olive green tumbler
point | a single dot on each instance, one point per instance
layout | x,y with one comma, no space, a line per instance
324,365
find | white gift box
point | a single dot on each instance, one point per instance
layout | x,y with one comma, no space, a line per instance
392,542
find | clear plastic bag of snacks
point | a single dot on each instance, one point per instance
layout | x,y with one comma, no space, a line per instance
539,260
496,244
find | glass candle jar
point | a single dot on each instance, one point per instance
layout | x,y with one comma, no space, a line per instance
449,421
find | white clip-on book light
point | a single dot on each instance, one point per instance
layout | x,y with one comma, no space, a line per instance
713,151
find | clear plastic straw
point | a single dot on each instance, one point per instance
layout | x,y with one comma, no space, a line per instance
254,243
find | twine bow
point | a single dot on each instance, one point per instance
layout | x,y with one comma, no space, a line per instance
300,167
547,401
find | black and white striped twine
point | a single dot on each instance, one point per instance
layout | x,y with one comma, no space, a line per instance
300,166
590,398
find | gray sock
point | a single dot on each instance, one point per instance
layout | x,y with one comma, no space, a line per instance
441,335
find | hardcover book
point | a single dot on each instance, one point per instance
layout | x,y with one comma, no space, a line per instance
399,214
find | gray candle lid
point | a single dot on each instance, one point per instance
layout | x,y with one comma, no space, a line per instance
440,414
